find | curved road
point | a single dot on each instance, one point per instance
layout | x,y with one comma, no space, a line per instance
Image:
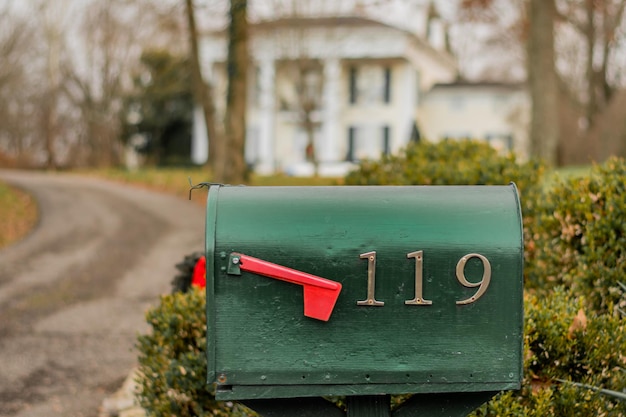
73,294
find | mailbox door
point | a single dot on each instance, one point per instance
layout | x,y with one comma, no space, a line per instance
430,301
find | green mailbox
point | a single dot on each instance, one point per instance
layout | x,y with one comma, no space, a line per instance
316,291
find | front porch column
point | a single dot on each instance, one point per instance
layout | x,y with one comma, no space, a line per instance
266,151
328,151
407,108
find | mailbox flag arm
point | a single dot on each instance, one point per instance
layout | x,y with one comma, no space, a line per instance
320,294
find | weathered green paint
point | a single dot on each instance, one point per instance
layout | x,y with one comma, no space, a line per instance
211,219
261,346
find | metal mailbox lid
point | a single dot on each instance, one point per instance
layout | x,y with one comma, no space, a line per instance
260,344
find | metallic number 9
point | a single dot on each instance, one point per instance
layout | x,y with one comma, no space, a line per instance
482,284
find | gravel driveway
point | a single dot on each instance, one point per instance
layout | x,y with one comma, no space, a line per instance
73,293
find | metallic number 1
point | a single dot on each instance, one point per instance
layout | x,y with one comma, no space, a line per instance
483,283
419,267
371,280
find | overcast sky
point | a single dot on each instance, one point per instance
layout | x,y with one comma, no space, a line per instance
467,42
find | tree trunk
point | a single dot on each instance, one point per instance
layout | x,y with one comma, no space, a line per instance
49,131
203,92
542,77
590,38
235,171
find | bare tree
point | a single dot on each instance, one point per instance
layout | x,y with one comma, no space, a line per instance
301,93
543,82
52,20
204,93
97,91
113,33
17,40
589,44
531,22
586,77
308,83
64,69
489,39
235,170
597,24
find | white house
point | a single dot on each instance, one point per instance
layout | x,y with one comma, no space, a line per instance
496,112
330,91
351,84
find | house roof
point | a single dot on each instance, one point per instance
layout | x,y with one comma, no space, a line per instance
328,21
350,21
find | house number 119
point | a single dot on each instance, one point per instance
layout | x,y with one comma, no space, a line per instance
419,300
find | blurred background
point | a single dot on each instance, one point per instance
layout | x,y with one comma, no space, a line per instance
108,83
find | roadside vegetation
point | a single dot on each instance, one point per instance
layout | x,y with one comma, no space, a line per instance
575,302
18,214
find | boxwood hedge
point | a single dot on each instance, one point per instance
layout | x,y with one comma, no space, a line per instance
573,362
578,237
172,361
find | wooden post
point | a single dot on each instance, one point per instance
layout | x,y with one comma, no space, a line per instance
369,406
291,407
442,404
419,405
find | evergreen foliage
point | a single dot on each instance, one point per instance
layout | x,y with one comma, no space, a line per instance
172,361
579,237
449,162
160,109
566,347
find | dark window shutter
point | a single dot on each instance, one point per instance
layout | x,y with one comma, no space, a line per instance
353,92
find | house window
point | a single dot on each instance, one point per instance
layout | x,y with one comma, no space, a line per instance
387,90
353,75
368,142
351,140
386,141
369,85
503,142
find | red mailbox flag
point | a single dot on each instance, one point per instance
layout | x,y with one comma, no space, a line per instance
320,294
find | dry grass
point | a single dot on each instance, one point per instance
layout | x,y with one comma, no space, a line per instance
18,214
176,180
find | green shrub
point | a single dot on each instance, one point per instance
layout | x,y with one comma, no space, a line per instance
562,346
448,162
579,237
172,361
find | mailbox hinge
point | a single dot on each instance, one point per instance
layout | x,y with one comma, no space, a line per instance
233,264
